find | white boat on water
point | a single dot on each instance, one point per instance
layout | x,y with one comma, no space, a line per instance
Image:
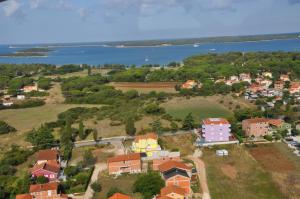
146,60
196,45
212,49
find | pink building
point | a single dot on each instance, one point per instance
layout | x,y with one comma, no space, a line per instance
49,170
256,127
216,130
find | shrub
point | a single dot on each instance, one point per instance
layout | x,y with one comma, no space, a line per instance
5,128
96,186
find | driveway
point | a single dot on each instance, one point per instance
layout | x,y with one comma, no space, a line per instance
201,172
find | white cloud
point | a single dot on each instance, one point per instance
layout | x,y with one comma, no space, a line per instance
11,7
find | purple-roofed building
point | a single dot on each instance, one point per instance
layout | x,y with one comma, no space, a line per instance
216,130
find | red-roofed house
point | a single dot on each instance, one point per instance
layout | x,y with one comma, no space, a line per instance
119,196
189,84
24,196
294,87
46,155
173,192
49,170
46,191
28,89
256,127
129,163
176,173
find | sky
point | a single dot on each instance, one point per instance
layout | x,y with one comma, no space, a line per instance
63,21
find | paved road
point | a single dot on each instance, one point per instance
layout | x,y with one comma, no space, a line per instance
201,172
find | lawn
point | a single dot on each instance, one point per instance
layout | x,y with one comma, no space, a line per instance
123,182
283,165
238,176
200,107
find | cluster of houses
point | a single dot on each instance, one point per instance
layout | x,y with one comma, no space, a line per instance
48,166
9,100
145,148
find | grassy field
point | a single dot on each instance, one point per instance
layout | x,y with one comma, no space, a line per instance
26,119
283,165
176,143
143,87
124,183
238,176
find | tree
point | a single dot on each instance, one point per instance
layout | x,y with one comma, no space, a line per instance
89,71
174,127
41,138
148,184
95,135
5,128
88,158
96,186
66,142
154,109
156,126
81,132
42,180
188,122
129,126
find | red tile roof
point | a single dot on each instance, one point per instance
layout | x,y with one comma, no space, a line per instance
256,120
119,196
127,157
146,136
43,187
275,122
172,189
47,154
24,196
164,197
215,121
173,164
46,166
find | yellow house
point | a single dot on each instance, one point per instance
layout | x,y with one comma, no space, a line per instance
146,144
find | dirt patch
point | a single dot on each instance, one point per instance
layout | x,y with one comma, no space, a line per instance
229,171
271,159
144,87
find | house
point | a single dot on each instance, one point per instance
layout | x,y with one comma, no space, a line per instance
284,78
189,84
176,173
43,156
43,191
172,192
21,97
255,127
216,130
266,83
279,85
128,163
119,196
30,88
46,191
267,74
294,87
279,125
165,157
7,103
147,143
245,77
254,88
50,170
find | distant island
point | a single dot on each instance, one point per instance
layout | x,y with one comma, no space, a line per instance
29,52
190,41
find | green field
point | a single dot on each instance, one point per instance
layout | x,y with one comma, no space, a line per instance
238,176
200,108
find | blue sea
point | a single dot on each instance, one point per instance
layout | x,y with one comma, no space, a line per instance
98,54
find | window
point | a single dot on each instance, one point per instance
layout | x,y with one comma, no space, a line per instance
49,192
